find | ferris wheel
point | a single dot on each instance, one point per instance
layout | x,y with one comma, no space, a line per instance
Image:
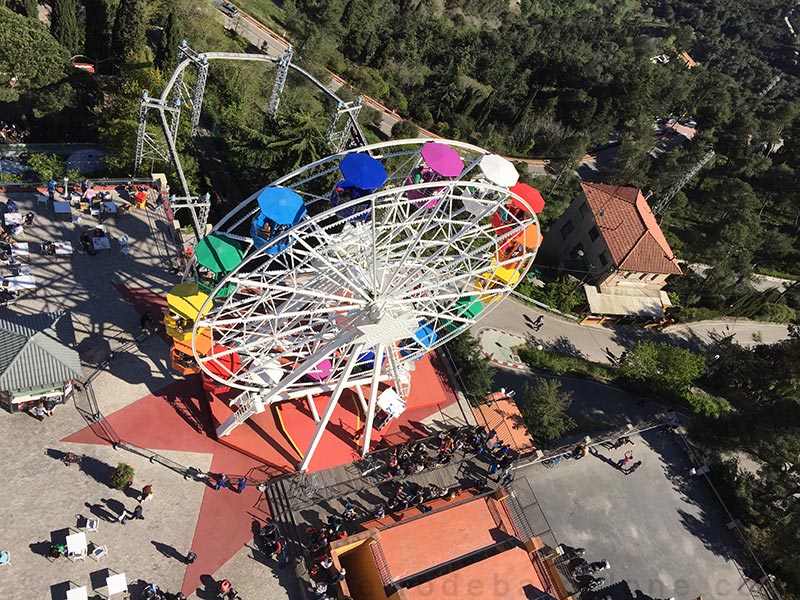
350,269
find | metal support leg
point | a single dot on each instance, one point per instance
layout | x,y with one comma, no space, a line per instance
361,398
313,407
373,398
337,392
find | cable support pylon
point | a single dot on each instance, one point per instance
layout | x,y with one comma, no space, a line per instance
280,80
344,120
147,146
662,204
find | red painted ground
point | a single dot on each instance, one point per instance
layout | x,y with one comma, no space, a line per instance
142,300
186,422
263,439
224,522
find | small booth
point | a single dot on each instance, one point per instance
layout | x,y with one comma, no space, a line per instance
469,307
184,302
280,209
439,162
182,356
389,406
38,362
362,176
217,255
423,338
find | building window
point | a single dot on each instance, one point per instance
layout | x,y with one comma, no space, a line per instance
654,277
566,230
603,258
583,209
593,233
642,275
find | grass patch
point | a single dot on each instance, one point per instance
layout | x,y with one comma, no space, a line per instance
265,11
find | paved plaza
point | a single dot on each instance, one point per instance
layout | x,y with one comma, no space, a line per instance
661,529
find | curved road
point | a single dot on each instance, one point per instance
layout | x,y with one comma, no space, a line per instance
606,343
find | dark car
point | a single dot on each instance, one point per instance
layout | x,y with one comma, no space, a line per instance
229,9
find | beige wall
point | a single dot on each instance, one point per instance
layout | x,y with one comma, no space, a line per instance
630,279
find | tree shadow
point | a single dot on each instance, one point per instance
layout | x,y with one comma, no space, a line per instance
97,469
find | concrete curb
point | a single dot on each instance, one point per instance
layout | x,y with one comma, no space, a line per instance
503,363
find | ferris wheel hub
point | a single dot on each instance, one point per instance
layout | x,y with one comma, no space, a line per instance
386,327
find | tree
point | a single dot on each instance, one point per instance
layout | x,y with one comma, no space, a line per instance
130,28
30,57
168,44
64,24
122,477
544,409
47,166
670,371
27,8
404,130
472,367
99,19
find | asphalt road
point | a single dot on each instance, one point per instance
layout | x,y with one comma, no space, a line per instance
606,343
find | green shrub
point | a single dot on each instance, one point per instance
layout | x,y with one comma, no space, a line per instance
122,477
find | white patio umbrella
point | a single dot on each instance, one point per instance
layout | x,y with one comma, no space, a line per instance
498,170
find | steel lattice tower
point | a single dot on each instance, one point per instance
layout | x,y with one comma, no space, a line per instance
280,80
662,204
344,119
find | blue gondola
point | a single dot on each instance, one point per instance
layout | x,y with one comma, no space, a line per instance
280,209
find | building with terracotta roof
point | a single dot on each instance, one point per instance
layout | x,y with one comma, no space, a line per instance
467,549
609,239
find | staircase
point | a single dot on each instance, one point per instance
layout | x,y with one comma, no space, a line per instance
281,511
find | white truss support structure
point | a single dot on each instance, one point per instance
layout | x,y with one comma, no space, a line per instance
373,399
334,400
343,124
280,80
662,204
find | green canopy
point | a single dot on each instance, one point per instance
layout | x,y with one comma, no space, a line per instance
218,253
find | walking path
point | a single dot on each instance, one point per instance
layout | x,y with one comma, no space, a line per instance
605,343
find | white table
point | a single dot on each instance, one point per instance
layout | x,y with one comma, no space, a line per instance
63,248
13,218
76,543
101,243
111,207
18,283
61,208
20,249
80,593
76,198
117,584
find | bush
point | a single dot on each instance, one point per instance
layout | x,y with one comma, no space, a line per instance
553,362
472,367
122,477
707,405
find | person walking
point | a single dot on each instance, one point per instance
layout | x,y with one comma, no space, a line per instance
633,467
122,519
537,324
137,512
147,493
222,482
241,485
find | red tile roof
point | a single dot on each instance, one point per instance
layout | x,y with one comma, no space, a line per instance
629,229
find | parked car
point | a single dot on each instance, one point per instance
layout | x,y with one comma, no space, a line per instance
229,9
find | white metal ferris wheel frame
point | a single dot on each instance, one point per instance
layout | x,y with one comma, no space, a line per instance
334,296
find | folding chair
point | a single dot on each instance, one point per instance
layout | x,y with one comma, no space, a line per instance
91,525
99,552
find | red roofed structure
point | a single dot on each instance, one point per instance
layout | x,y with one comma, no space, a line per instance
468,549
609,239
